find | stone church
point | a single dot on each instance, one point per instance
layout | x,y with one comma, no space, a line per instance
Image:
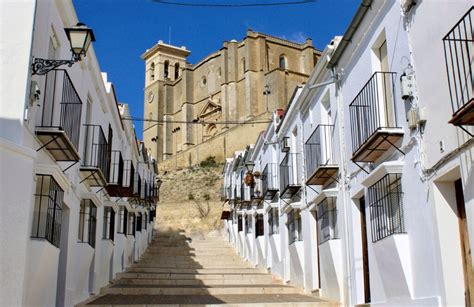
197,110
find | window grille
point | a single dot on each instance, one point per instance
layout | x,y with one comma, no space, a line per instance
259,228
131,224
139,222
386,207
48,207
109,223
248,224
327,220
294,225
87,222
123,220
274,221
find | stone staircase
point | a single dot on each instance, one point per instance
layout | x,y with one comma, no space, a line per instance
178,270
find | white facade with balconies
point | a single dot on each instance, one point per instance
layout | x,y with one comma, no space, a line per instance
78,190
378,209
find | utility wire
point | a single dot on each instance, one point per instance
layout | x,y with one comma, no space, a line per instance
230,4
198,122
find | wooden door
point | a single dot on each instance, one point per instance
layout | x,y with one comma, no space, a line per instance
465,245
365,252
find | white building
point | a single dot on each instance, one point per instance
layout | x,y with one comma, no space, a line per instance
77,190
375,158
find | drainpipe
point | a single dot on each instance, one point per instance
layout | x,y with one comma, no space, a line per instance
344,186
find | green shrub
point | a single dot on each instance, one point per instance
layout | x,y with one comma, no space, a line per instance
209,162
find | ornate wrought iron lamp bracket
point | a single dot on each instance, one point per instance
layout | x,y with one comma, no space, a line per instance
43,66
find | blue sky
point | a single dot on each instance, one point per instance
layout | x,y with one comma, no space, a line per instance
124,29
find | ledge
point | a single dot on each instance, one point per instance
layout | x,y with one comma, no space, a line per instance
321,196
392,167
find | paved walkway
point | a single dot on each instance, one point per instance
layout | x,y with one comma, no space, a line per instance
177,270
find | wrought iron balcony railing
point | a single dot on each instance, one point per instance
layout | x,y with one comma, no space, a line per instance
321,165
373,119
96,159
270,181
60,119
129,174
459,55
290,182
115,182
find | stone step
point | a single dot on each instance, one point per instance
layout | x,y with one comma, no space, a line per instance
259,280
221,263
221,271
260,300
199,290
198,257
183,276
194,266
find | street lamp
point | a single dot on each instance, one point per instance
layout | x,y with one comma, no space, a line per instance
250,165
80,38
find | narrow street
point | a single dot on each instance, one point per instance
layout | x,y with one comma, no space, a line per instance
181,269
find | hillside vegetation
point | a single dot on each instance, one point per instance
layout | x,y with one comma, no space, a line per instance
190,199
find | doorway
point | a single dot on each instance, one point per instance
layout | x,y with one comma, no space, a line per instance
465,245
365,251
62,266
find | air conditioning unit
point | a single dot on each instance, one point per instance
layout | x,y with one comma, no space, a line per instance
285,144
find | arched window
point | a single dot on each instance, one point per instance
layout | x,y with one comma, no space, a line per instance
282,62
243,65
150,116
152,71
176,71
166,69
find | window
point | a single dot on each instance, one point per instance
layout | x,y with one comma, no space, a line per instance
386,207
123,220
248,224
327,220
145,221
139,222
176,71
131,224
244,68
239,223
166,69
87,222
294,226
274,221
48,208
259,228
282,62
203,80
152,71
152,215
109,223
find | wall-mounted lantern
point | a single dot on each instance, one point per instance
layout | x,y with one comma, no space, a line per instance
80,38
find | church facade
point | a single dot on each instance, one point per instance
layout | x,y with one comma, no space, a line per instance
212,108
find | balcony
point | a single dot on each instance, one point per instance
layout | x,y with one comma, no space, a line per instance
246,193
114,186
60,123
96,158
137,185
321,165
290,182
256,191
373,119
127,189
270,181
458,51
